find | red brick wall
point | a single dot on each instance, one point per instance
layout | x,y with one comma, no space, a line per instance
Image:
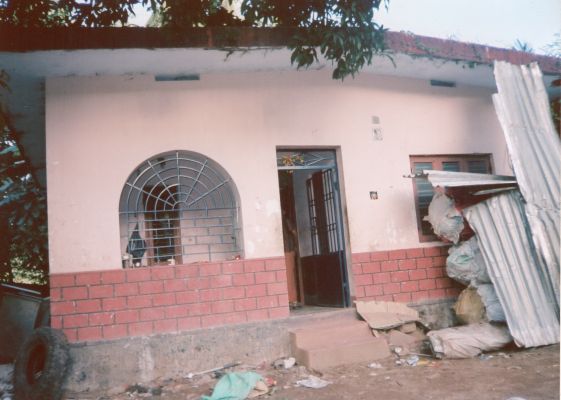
408,275
103,305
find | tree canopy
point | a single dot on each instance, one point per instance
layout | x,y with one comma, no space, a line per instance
342,31
23,210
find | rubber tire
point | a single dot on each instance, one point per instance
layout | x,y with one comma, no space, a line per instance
41,366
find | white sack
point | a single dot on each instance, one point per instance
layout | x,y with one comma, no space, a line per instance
469,340
446,221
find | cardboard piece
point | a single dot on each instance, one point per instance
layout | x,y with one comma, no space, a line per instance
385,315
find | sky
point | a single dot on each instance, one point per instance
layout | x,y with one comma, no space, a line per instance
493,22
497,23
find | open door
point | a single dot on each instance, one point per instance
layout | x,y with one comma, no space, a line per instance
313,229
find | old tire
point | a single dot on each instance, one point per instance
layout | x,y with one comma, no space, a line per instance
41,366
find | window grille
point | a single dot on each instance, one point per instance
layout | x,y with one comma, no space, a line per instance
179,207
323,213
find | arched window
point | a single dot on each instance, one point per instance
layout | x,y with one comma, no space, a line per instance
179,207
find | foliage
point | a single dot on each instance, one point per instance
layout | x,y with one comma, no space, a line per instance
342,31
521,45
23,211
553,49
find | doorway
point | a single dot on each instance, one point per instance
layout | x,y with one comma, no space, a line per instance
313,228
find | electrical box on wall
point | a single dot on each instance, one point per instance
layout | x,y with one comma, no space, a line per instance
376,128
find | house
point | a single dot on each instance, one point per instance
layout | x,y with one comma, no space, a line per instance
193,194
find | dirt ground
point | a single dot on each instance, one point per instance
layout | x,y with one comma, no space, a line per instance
528,374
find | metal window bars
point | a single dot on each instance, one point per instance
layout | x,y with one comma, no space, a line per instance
179,207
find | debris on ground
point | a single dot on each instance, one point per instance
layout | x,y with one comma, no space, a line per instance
284,363
531,374
412,360
396,323
313,382
191,375
238,386
469,340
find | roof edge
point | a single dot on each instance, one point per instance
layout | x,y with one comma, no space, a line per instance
15,39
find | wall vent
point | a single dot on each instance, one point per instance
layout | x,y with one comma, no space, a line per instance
175,78
436,82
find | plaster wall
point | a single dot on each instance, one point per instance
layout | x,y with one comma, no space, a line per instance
98,129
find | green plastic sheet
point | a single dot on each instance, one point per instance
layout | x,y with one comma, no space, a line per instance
234,386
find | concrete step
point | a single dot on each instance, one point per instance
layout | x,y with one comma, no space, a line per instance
324,344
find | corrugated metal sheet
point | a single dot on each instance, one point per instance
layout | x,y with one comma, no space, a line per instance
458,179
516,269
535,151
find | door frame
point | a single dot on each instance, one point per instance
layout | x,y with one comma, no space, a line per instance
343,231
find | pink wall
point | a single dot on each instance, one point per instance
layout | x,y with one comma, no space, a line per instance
100,128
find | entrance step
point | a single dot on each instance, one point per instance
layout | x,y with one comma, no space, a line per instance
329,343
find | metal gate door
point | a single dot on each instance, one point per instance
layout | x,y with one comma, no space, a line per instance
326,275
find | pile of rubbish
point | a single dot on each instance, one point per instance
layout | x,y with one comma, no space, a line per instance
510,264
397,323
408,339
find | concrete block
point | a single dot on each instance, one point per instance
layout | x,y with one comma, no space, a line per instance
329,344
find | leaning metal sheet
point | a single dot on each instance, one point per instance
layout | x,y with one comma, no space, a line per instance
535,150
516,269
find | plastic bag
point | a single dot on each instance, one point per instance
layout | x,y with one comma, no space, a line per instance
493,308
234,386
466,265
446,221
